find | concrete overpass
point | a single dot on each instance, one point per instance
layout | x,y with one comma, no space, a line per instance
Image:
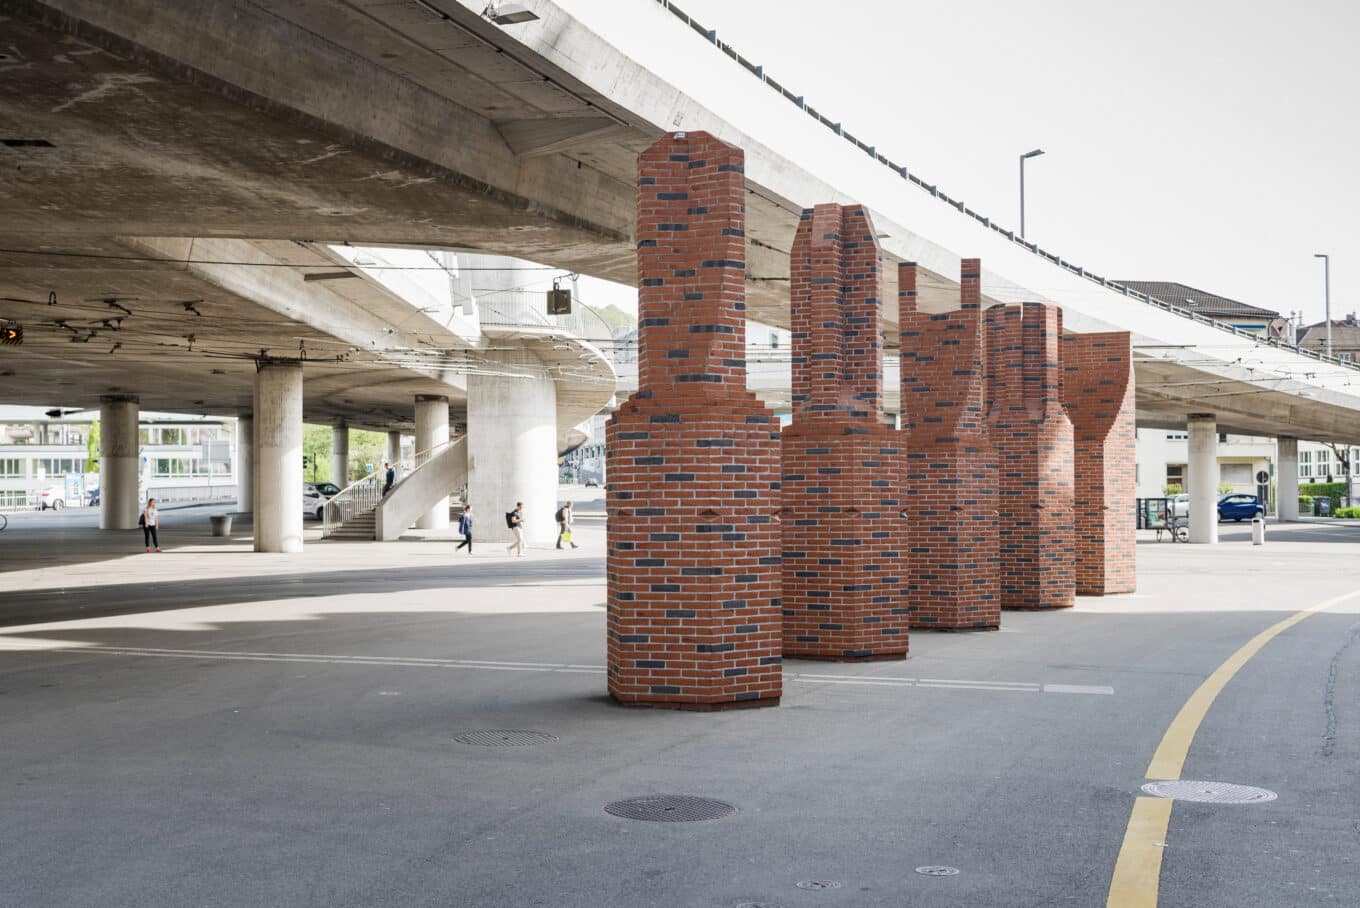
147,141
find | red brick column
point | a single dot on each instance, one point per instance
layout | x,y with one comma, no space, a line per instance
693,458
1033,440
951,468
1098,395
844,559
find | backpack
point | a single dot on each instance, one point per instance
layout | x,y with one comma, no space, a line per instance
510,519
558,516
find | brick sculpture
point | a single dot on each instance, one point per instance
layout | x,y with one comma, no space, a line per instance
1098,395
844,564
951,467
1033,440
693,457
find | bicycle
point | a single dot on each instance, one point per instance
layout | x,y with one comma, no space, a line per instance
4,522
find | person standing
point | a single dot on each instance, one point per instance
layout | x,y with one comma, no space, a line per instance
515,521
465,527
391,479
149,521
564,526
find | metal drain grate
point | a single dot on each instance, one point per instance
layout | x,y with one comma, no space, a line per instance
818,884
1210,792
940,870
670,809
501,738
758,905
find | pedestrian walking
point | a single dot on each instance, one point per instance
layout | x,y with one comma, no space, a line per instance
564,526
465,527
391,479
515,521
148,522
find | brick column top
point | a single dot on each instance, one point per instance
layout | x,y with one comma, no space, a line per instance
836,315
692,265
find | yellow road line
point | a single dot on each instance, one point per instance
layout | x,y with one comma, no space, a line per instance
1139,865
1137,870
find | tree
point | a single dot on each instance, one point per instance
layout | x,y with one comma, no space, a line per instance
92,449
1342,453
316,444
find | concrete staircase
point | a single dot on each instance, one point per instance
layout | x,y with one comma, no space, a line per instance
360,526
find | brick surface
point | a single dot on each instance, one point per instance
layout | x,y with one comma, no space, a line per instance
952,562
1032,437
693,458
1098,395
843,468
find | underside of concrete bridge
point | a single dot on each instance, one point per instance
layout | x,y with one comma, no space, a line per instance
268,128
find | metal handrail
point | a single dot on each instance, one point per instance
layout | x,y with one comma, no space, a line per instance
711,35
365,494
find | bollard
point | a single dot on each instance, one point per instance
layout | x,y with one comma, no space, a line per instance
221,524
1258,531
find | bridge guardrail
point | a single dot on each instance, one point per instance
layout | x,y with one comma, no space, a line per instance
901,170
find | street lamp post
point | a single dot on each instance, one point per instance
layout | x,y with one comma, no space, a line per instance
1327,294
1029,154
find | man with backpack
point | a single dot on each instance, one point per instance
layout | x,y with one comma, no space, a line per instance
515,521
563,518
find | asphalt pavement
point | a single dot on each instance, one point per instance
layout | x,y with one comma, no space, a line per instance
214,727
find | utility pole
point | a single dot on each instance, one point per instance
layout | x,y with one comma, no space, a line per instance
1029,154
1327,294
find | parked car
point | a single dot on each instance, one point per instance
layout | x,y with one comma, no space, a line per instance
592,483
314,498
1239,507
1179,506
53,497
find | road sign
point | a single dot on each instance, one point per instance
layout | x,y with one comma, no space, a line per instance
1262,477
12,334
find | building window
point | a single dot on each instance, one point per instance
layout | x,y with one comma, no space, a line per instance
59,466
1344,356
1305,457
12,468
1176,436
1305,470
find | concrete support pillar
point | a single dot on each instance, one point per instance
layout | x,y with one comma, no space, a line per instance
278,457
512,447
432,429
119,497
393,453
1287,478
245,462
340,455
1203,478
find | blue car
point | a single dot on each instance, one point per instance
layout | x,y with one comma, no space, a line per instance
1239,507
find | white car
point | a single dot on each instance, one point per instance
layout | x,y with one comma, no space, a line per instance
53,497
314,498
1179,506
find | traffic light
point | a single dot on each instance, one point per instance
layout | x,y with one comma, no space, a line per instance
12,334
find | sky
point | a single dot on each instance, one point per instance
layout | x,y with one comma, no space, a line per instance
1212,143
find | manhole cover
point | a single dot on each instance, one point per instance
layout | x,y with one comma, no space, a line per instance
758,905
502,738
818,884
670,809
938,871
1209,792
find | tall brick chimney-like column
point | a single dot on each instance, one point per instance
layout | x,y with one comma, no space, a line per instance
1033,440
844,469
693,457
1098,396
951,467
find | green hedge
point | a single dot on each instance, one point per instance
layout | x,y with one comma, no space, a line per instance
1333,490
1347,512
